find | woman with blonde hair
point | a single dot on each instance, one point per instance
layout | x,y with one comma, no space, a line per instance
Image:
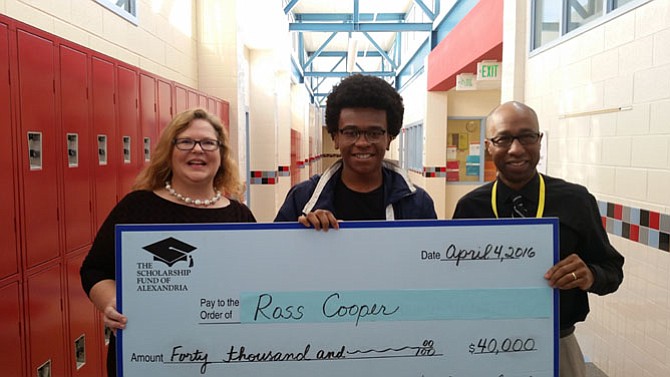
191,179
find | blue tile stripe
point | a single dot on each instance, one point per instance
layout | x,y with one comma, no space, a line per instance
434,171
260,177
645,226
284,171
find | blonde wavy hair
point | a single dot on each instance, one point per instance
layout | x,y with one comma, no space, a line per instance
159,170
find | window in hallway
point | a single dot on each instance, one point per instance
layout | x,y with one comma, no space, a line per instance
552,19
546,21
124,8
411,147
581,12
619,3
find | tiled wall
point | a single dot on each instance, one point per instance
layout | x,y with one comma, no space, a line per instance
434,171
270,177
603,97
628,333
259,177
647,227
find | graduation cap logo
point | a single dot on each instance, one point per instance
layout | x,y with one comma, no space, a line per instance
171,251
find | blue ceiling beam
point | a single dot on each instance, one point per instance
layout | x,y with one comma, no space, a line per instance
391,59
357,12
348,17
397,50
381,50
370,27
337,54
301,49
345,74
319,81
340,61
318,51
290,6
297,71
427,10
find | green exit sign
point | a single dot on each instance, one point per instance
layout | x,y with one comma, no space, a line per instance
488,70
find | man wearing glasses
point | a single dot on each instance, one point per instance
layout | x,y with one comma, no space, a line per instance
363,115
588,262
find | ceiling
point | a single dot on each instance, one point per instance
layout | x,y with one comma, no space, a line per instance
326,35
333,39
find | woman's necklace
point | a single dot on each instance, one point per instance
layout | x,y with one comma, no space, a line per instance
197,202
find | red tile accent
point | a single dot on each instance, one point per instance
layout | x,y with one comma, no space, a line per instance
618,211
654,219
634,232
271,181
604,220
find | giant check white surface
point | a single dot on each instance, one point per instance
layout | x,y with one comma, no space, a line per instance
404,298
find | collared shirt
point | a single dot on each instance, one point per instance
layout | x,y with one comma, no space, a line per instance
580,231
530,193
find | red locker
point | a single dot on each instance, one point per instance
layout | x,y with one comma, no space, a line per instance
180,99
84,343
164,104
127,88
11,357
192,99
103,138
8,244
202,100
38,147
224,107
148,115
296,144
44,317
75,141
212,106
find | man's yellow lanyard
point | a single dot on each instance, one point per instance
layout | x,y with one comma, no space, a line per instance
540,204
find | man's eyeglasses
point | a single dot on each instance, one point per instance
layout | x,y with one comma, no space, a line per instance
506,141
187,144
350,135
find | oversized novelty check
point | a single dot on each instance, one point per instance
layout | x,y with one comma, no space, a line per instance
404,298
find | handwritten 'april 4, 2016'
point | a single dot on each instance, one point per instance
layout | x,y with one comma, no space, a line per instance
489,252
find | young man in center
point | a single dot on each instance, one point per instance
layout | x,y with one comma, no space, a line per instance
363,115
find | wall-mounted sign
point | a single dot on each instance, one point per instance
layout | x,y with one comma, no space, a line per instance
488,70
466,81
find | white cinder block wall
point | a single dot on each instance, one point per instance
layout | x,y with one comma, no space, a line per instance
164,42
603,97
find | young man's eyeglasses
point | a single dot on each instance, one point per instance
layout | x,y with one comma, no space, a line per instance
187,144
506,141
374,135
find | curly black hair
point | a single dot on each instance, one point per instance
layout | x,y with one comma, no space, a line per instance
361,91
